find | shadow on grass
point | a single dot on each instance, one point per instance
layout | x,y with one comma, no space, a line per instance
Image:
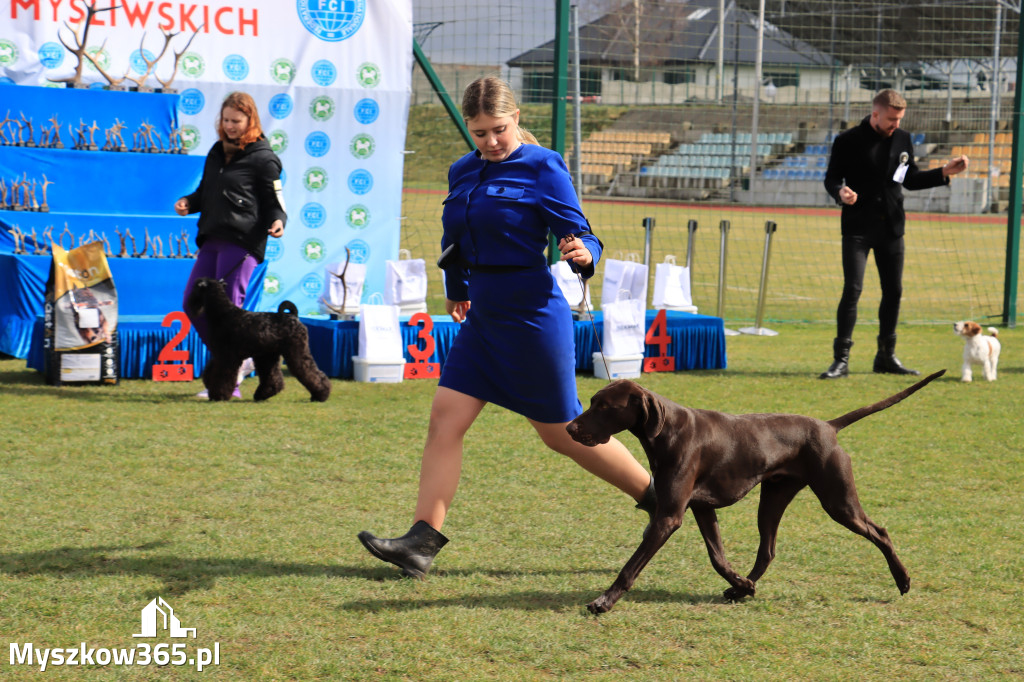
183,575
530,600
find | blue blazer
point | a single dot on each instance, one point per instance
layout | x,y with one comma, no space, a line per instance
500,214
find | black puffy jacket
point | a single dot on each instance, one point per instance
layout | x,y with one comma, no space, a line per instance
240,200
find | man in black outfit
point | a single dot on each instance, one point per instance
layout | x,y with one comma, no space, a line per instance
867,171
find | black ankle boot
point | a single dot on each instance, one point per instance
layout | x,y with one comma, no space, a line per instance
886,361
840,367
413,552
649,503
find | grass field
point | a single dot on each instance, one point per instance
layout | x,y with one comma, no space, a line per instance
243,517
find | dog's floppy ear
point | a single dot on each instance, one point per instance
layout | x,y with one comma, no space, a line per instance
653,414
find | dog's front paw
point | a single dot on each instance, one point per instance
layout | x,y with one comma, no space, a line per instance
600,605
738,593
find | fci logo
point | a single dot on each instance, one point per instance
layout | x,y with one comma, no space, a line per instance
271,284
332,20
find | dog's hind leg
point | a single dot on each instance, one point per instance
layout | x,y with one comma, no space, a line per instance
268,368
775,498
707,522
303,367
838,496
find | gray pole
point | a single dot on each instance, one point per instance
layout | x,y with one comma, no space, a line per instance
758,58
577,135
993,84
723,249
757,329
648,243
720,64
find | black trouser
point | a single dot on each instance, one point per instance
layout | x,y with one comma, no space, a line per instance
889,260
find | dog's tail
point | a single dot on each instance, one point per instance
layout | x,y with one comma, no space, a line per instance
993,331
851,417
288,307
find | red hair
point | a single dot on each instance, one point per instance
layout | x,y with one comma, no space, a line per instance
244,103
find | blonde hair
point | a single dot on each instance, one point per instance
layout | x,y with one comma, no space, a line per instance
492,96
889,98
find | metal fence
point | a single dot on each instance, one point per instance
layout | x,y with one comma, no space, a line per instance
717,111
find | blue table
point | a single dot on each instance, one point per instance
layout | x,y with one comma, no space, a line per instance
698,341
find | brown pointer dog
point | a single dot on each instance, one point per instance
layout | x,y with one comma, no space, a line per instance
704,460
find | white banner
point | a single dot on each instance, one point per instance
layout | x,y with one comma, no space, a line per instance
332,81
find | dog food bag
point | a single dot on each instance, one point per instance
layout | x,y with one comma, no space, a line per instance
80,318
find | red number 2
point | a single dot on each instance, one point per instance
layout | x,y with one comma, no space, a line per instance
169,353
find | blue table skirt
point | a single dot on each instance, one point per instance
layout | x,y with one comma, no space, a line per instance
147,289
698,342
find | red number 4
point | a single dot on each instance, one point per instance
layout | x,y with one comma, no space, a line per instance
658,336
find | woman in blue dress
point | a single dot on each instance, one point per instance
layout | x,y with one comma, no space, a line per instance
515,345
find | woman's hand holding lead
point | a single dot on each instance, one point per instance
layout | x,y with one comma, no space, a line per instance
574,250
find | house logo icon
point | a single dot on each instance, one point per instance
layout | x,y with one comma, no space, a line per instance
158,615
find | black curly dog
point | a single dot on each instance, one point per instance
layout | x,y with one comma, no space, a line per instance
704,460
236,334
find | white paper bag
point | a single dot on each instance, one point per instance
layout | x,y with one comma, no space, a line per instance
671,285
380,337
623,275
405,281
623,327
349,294
569,283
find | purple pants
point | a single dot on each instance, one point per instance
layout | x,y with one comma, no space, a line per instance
220,259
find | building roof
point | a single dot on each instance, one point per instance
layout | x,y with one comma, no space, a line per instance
886,32
680,31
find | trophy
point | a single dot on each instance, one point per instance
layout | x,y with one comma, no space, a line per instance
45,207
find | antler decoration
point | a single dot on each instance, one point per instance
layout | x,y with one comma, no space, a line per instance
344,289
177,58
141,80
81,35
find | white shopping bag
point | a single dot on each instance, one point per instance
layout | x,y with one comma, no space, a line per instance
623,275
623,327
671,285
569,283
405,281
343,298
380,337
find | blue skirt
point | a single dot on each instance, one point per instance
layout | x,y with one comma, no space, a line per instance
516,347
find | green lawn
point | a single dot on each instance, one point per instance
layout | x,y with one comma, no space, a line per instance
243,517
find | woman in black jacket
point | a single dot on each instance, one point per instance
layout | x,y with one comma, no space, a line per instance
240,204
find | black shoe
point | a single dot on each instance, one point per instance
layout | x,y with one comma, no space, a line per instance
649,503
840,367
413,552
886,361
